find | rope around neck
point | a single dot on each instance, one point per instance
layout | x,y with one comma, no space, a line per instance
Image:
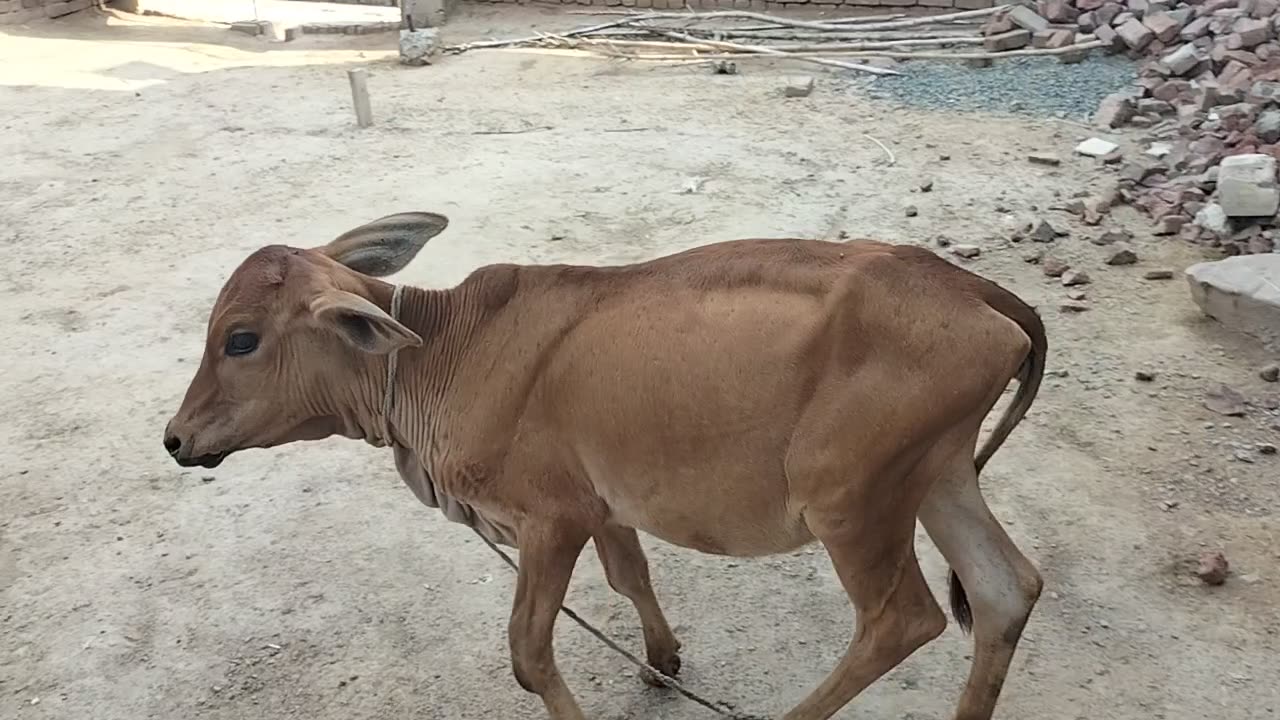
389,394
723,709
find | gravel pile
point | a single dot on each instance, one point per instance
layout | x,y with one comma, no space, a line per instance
1031,86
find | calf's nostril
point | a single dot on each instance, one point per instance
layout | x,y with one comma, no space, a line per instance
172,444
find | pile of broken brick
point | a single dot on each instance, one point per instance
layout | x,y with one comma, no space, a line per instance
1208,91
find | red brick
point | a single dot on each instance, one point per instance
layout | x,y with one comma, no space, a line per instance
1169,90
1265,9
1058,11
1209,7
1061,39
1110,39
1011,40
1164,25
1248,33
1114,111
998,24
1231,71
1194,29
1108,13
1135,35
1243,57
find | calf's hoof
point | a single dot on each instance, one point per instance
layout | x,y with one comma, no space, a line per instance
669,667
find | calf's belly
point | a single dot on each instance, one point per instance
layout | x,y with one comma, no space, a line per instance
735,516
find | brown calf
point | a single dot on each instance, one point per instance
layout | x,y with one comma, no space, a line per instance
742,398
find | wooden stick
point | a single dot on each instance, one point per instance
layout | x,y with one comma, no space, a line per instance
648,17
836,24
483,44
633,13
815,56
886,150
761,50
879,44
906,34
521,131
360,96
819,47
974,56
690,46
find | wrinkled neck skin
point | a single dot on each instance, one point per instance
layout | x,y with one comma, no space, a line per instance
422,373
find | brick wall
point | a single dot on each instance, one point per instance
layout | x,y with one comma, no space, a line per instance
764,4
16,12
382,3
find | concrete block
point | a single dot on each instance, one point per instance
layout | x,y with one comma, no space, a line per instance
1267,126
1183,60
1027,19
1241,292
1247,186
799,86
424,13
248,27
1096,147
1213,218
20,17
419,47
275,32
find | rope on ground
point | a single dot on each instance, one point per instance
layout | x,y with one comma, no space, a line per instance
723,709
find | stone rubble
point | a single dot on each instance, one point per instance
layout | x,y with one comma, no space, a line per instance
1208,89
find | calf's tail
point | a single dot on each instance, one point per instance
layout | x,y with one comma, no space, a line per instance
1029,376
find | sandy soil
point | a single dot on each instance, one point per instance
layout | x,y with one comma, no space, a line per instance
145,158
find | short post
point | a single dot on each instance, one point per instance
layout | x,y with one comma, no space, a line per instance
360,97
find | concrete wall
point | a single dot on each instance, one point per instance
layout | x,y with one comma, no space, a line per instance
16,12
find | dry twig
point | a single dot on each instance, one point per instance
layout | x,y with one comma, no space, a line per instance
764,50
887,151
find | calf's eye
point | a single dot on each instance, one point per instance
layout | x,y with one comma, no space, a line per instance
242,343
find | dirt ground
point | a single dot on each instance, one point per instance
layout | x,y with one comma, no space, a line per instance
144,158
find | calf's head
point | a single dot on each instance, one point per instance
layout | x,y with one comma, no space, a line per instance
291,339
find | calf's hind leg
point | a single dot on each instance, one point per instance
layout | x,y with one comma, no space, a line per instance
873,552
1001,584
627,570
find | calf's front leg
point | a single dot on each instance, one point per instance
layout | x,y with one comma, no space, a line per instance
548,553
627,570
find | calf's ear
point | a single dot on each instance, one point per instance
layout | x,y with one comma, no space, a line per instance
386,245
361,323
